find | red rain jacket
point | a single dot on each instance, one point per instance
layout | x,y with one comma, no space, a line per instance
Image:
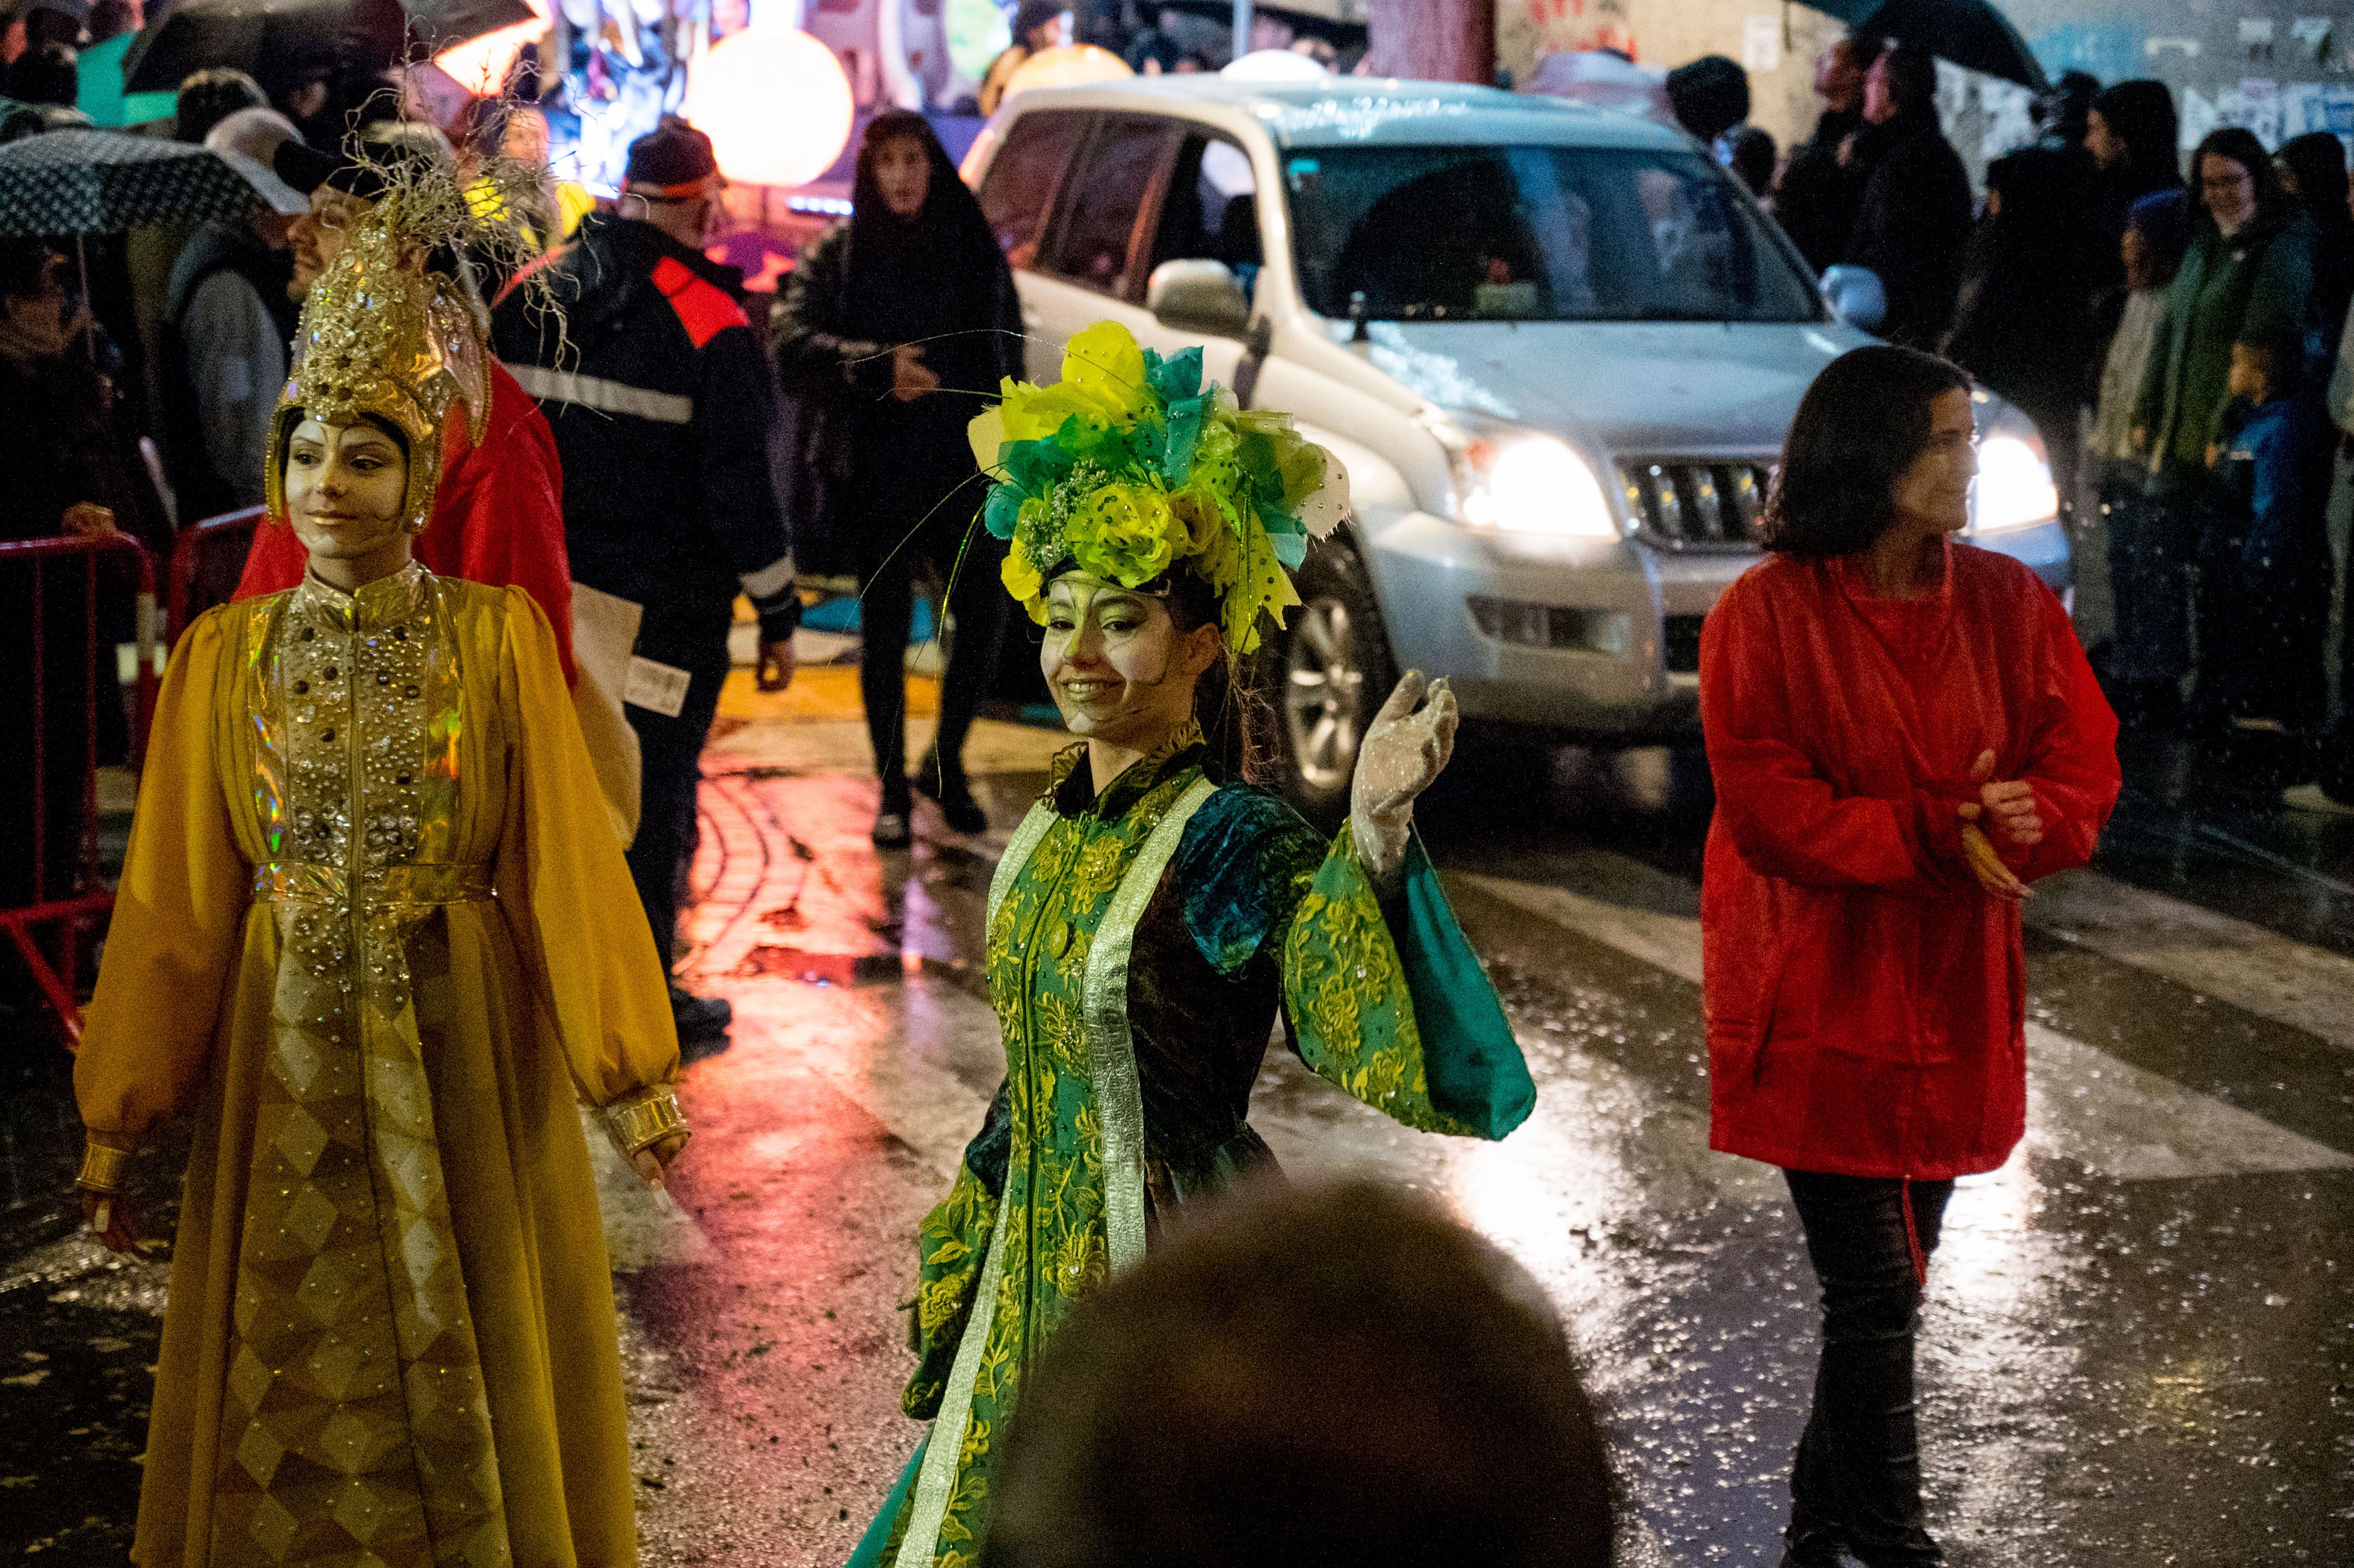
498,514
1865,997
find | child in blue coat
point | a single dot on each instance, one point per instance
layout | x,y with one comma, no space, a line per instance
2264,566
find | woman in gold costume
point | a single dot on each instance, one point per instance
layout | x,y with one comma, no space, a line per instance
376,933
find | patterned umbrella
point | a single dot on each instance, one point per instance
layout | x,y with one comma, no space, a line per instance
101,182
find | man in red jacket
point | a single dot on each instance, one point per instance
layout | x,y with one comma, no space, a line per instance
1903,733
498,516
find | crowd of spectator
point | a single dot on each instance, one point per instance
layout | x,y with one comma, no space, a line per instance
2173,327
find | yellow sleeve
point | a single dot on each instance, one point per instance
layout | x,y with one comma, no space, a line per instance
179,915
566,888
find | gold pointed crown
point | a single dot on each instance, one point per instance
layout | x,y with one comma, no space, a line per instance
384,339
381,336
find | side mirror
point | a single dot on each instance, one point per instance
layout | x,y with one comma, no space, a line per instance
1198,297
1856,296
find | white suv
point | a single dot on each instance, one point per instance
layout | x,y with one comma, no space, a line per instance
1557,349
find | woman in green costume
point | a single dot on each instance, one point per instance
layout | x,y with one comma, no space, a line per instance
1155,910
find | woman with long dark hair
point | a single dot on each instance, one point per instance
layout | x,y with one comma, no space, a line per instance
2247,278
895,324
1154,910
2312,168
1903,733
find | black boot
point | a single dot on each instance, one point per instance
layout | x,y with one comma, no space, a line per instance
891,830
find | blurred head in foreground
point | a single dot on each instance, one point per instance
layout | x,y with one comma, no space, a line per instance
1341,1375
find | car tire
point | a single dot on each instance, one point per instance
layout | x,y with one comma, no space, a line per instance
1328,674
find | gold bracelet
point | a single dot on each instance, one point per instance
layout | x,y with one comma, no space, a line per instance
641,1123
103,1167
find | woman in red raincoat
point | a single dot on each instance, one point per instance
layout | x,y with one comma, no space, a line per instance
1903,733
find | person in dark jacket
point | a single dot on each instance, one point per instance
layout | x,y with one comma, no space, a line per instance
53,406
2130,131
2312,169
227,318
1914,215
661,406
2021,326
895,324
1814,199
2247,276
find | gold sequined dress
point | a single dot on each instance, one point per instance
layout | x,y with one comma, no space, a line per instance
376,932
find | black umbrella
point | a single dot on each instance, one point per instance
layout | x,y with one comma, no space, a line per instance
1969,33
247,33
103,182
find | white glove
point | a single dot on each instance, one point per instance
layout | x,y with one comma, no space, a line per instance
1403,753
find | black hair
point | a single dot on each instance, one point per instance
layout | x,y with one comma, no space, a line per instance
2279,353
1912,76
2318,161
1864,421
210,96
293,414
2238,145
26,267
1710,95
50,74
2140,115
1174,1419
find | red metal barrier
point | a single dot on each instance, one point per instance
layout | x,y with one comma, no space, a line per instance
207,558
62,612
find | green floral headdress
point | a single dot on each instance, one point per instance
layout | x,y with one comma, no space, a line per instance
1131,466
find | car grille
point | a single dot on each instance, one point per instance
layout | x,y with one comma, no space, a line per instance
1695,504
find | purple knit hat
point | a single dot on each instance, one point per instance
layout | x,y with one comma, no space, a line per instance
2164,220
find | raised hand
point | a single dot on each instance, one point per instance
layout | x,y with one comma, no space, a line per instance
1403,752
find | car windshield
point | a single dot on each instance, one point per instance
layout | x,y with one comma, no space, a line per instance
1447,233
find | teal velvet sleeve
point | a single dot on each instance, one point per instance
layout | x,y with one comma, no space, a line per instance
1476,1071
1386,997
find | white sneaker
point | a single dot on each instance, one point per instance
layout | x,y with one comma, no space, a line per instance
2309,798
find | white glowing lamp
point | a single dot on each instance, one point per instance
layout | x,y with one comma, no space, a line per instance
480,65
1070,65
774,103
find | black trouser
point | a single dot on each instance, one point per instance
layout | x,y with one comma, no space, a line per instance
887,608
670,763
1857,1480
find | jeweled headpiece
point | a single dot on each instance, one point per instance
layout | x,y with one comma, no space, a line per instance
383,336
1131,466
378,338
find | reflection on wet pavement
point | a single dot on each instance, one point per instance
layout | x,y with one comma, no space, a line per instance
2135,1341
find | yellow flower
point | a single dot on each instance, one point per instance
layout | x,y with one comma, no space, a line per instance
1022,581
1104,365
987,433
1127,534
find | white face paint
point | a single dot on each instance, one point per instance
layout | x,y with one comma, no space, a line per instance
344,486
1120,671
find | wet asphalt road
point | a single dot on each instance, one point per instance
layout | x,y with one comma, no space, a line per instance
2138,1334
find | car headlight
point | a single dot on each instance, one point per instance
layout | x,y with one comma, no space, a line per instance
2013,488
1531,484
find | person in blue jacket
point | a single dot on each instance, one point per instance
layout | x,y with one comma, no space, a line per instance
2265,566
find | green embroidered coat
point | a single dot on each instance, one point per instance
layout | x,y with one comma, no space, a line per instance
1139,947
